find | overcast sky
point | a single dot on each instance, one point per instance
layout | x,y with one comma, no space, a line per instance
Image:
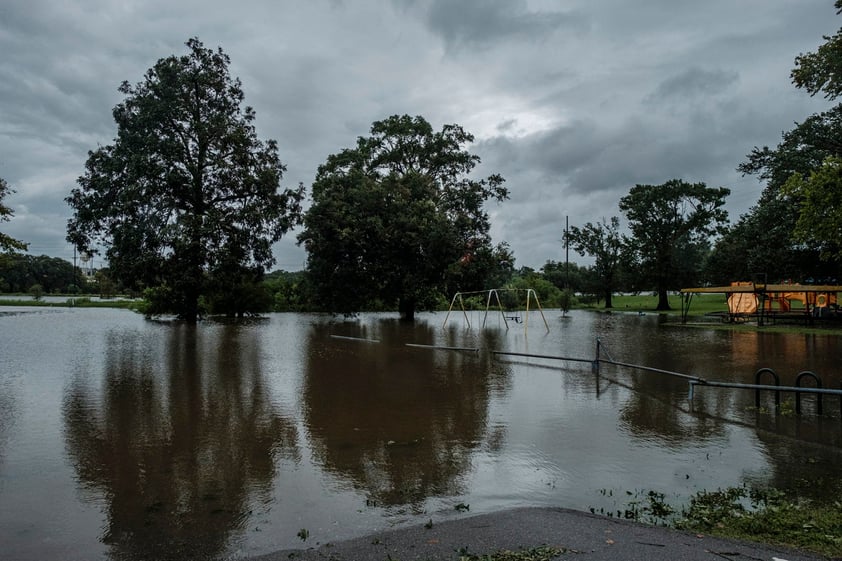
573,102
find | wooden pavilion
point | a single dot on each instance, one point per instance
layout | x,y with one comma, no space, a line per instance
748,301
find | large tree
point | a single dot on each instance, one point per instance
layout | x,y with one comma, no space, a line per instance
762,242
817,194
822,70
665,218
605,244
393,216
770,238
7,243
819,221
187,198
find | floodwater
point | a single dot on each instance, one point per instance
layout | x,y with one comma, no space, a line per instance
123,438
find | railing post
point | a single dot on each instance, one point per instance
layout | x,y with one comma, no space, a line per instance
801,375
595,363
757,382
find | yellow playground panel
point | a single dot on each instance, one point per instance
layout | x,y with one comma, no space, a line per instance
749,302
759,299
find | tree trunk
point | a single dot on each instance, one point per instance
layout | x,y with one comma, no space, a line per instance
191,305
406,307
663,300
608,303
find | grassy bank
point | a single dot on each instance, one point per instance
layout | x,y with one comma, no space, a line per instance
701,304
71,302
749,514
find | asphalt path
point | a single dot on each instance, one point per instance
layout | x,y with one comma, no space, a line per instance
581,536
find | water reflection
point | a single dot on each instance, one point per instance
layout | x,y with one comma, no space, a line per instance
665,422
7,415
797,465
398,423
177,444
165,441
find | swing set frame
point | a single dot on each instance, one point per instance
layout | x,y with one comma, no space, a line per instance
495,294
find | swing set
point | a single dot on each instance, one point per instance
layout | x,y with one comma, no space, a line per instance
513,315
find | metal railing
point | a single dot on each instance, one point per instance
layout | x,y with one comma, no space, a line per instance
697,381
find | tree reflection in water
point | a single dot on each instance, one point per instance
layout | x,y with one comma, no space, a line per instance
398,423
179,445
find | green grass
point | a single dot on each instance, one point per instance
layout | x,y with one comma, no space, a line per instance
701,304
751,514
770,517
72,302
704,304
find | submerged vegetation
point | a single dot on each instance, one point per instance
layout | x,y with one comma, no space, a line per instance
751,514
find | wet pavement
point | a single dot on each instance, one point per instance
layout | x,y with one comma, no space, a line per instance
579,535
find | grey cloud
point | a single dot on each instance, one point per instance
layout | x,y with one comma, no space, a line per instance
485,22
572,105
693,83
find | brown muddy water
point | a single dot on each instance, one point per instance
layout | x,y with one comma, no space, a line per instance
122,438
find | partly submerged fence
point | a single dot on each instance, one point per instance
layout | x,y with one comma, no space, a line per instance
693,381
699,382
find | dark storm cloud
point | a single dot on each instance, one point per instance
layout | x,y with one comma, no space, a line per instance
473,23
573,105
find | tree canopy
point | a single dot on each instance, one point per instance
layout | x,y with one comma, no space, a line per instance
819,221
814,188
187,199
774,237
604,242
822,70
19,272
665,218
8,243
393,217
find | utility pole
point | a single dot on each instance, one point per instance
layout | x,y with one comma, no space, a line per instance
566,253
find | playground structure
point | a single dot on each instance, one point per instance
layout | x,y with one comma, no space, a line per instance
508,315
763,302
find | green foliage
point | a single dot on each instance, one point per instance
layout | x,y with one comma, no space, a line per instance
37,291
667,219
821,70
766,516
19,272
768,238
289,291
819,221
245,298
7,243
762,240
107,289
187,197
604,242
163,299
567,300
484,268
564,275
754,514
394,216
548,294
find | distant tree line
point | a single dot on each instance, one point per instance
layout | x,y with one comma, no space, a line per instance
186,203
20,272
